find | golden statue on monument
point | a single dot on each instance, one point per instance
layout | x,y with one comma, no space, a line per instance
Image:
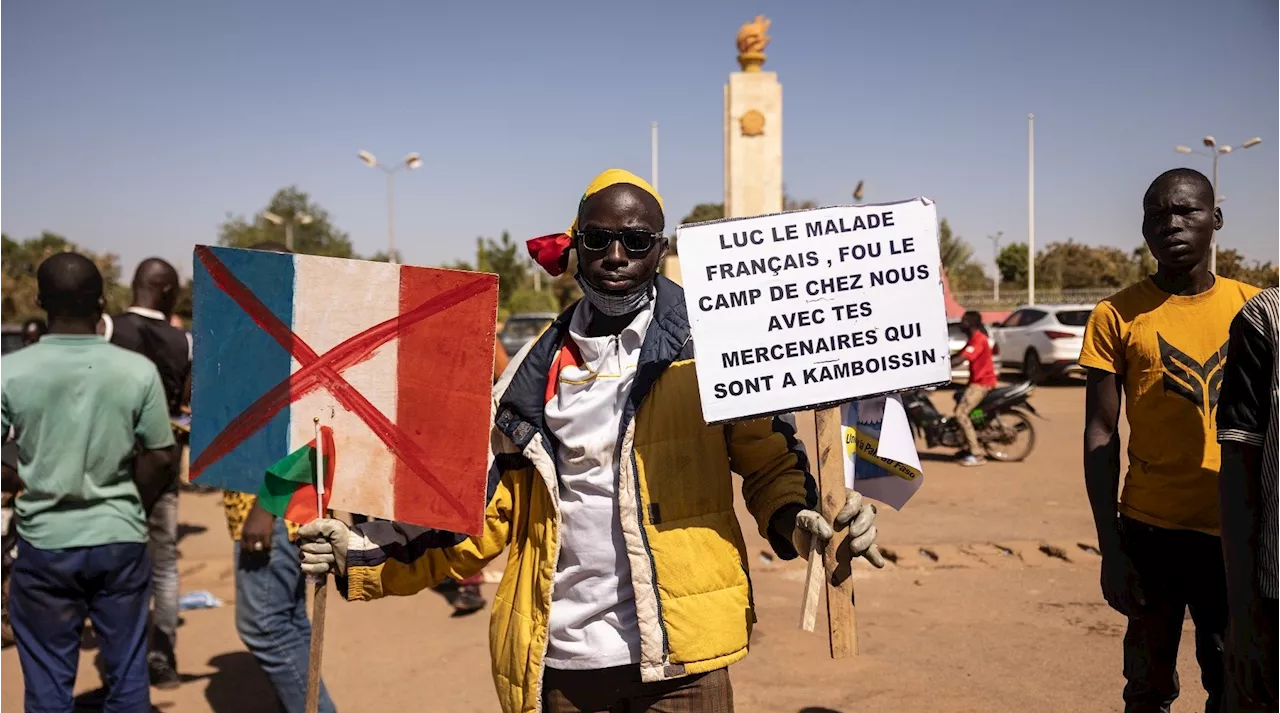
752,39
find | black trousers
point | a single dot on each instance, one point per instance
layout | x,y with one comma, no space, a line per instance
619,690
1180,570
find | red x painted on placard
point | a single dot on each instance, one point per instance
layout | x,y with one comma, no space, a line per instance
325,371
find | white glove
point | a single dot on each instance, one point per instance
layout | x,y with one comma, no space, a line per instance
857,516
324,546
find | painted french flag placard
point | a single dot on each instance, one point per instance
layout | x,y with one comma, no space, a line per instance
396,361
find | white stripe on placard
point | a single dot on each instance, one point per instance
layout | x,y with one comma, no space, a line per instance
334,300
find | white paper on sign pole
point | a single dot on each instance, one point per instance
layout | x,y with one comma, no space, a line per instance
812,308
880,457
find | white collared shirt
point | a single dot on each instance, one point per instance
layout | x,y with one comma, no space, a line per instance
109,325
148,313
592,623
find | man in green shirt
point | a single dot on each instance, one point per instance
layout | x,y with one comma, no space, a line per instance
92,429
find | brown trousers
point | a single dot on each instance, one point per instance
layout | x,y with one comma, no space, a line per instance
972,396
620,690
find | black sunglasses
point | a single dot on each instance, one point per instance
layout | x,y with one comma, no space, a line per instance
635,241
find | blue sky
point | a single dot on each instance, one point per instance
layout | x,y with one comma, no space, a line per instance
136,127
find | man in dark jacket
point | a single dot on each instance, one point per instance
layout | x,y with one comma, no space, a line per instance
144,328
625,586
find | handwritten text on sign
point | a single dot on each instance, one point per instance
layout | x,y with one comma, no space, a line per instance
802,309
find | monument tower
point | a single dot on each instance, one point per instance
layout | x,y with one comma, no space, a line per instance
752,129
752,136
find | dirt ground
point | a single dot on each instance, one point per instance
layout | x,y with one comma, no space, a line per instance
993,605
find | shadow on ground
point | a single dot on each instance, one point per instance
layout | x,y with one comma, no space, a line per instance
239,685
185,529
236,685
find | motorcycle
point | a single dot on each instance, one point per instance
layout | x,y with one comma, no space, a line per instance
1002,422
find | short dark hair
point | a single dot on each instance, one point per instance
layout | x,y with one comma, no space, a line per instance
1190,175
156,273
70,286
974,320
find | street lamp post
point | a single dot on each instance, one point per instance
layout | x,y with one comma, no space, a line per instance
1031,209
653,155
298,218
995,251
1216,151
410,161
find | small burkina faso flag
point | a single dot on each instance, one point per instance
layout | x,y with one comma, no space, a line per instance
289,487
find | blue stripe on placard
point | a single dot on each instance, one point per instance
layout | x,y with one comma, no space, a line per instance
236,362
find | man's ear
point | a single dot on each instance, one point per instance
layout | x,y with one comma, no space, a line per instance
664,247
1217,218
37,301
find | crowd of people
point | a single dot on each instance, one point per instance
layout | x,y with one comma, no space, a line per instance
604,481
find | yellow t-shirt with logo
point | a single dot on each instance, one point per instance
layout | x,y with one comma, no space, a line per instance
1168,351
237,506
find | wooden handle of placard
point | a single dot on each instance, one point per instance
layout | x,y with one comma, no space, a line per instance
319,598
841,614
321,595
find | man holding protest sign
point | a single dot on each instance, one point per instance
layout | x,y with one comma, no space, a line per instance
1162,343
626,583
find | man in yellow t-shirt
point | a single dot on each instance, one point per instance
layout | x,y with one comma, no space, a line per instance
1162,343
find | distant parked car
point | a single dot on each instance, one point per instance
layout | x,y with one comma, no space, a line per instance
1045,339
12,338
522,328
956,340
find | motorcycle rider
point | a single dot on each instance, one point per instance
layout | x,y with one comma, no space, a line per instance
982,379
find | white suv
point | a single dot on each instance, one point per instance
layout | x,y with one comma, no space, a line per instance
1045,339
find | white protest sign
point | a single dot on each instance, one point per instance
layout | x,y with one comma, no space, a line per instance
810,308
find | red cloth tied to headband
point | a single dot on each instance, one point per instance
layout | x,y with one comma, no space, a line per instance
551,252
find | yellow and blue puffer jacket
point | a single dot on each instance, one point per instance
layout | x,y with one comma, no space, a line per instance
675,500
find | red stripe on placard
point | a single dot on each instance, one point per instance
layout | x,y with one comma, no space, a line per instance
445,375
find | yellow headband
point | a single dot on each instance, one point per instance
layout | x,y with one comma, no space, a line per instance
613,177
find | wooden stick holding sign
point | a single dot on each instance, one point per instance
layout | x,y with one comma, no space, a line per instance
320,596
824,564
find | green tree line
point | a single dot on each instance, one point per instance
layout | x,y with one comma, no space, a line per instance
518,287
1074,266
1068,265
1064,265
18,278
317,236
